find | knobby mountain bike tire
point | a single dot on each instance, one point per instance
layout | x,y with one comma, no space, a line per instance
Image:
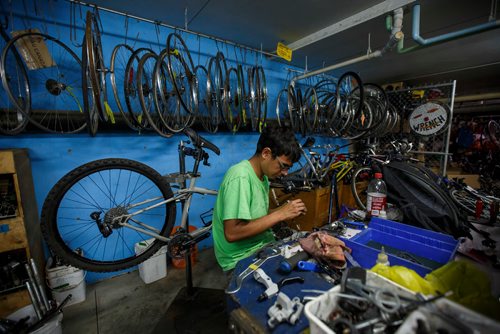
79,210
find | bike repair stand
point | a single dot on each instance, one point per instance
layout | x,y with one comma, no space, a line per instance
194,309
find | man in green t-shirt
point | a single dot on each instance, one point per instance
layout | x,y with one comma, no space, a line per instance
241,218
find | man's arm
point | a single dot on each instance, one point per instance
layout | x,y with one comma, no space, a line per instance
237,229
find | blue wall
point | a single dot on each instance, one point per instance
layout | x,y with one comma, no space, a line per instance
52,156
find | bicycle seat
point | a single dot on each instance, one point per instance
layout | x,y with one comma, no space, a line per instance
199,141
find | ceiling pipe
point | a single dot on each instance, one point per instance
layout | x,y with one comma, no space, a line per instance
448,36
396,36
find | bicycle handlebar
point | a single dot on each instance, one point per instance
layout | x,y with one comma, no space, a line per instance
201,142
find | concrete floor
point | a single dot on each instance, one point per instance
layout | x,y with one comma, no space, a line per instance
125,304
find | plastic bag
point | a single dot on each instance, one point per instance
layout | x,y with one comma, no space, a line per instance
471,287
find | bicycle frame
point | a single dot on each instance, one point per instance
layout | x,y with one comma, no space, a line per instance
184,195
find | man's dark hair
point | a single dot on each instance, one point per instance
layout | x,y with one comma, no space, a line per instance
281,141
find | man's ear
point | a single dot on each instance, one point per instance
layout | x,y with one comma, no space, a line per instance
267,153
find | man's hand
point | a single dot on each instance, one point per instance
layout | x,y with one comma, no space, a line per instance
293,209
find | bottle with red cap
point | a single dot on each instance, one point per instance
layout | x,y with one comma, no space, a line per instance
376,196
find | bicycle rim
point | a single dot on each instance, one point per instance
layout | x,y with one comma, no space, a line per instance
51,95
170,112
232,100
12,119
131,90
91,115
209,121
180,69
95,62
119,59
145,90
84,202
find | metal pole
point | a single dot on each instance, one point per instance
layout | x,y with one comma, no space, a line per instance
109,10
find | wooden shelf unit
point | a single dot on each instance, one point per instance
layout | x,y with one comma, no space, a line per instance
21,232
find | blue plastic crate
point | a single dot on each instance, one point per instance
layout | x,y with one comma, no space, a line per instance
409,246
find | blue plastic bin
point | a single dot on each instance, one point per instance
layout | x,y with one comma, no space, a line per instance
409,246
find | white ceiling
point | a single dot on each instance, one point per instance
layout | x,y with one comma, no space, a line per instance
473,60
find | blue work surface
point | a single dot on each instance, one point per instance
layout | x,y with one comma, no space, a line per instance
250,290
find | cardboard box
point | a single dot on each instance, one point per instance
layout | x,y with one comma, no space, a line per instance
316,202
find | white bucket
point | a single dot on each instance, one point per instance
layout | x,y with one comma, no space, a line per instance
155,267
65,280
53,326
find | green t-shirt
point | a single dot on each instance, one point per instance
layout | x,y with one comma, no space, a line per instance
242,195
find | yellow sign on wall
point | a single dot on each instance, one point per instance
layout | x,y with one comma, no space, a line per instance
284,52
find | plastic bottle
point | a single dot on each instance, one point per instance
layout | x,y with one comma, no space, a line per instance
382,257
376,196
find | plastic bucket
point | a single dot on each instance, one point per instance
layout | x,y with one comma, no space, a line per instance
65,280
53,326
155,267
181,263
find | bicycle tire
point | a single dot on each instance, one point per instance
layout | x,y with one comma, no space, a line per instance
12,120
282,108
232,100
209,121
130,89
91,114
292,107
151,107
95,62
169,110
118,65
253,97
66,226
262,98
311,108
181,69
350,83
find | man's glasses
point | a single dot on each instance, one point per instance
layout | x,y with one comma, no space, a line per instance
283,166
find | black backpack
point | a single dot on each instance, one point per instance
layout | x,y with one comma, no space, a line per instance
424,203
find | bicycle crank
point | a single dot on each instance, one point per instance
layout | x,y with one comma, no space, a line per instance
182,242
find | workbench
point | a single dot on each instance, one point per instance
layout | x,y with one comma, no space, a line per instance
244,308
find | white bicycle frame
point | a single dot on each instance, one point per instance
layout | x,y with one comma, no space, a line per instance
183,195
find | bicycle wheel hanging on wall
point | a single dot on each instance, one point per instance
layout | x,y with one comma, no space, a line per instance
145,89
83,209
12,119
119,59
48,87
209,120
181,69
96,67
131,91
168,106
